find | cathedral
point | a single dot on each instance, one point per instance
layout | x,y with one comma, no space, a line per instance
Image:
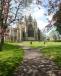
25,30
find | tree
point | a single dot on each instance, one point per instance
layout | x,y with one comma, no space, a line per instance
7,15
55,7
57,18
2,23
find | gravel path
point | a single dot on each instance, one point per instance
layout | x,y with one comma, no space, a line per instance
35,64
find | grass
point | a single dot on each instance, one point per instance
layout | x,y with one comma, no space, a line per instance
34,44
52,50
10,58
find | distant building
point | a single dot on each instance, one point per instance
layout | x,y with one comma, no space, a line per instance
26,30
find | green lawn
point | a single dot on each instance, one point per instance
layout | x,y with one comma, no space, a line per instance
27,43
10,58
52,50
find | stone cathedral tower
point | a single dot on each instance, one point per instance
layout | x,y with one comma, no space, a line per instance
27,29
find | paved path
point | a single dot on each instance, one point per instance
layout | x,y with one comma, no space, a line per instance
35,64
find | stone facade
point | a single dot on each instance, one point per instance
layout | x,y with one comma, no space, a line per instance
25,30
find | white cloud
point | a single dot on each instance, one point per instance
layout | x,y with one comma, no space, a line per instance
38,14
41,24
50,17
40,17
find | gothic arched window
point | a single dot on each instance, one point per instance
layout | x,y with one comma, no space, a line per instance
30,31
23,35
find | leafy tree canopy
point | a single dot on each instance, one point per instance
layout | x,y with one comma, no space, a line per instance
57,19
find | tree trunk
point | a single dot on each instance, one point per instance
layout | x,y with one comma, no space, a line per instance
1,25
1,43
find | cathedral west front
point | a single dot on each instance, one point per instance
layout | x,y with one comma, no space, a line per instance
25,30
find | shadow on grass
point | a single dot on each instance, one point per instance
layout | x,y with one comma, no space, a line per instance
8,47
